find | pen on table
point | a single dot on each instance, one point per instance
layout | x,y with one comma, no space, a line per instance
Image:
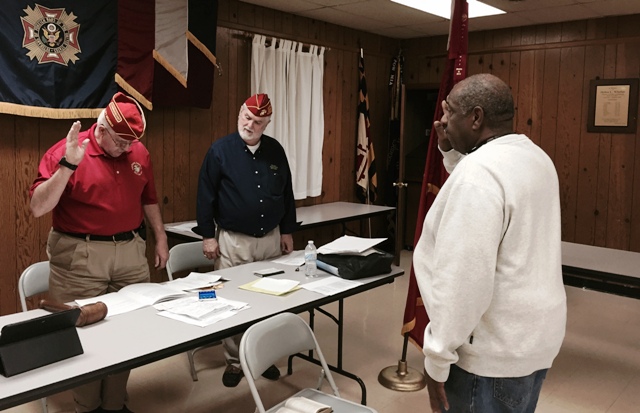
299,266
272,273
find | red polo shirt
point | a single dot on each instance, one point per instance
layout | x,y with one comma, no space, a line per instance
105,195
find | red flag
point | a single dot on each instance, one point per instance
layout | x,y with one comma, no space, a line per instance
166,51
415,316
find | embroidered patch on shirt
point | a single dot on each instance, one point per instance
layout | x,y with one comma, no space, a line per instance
274,167
136,168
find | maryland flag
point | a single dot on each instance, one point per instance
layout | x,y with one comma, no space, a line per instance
67,58
366,177
415,316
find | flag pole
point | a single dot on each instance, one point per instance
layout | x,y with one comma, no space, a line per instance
415,317
402,377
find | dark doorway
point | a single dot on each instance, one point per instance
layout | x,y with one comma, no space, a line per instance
419,108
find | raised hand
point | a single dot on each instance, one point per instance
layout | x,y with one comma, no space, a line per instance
443,140
75,151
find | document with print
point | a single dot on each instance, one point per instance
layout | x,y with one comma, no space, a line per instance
133,297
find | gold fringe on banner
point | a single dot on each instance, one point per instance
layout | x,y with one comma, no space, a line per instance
204,49
49,113
133,92
158,57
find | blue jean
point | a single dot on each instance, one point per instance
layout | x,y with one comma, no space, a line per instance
468,393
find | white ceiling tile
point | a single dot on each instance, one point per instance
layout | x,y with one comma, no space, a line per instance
614,7
395,14
431,29
332,3
394,20
557,14
500,20
400,32
346,19
289,6
515,6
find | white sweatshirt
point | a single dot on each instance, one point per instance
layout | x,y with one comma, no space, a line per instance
489,263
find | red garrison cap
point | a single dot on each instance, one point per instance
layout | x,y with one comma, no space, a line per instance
125,117
259,105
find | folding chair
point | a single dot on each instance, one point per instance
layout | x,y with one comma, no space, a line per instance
280,336
188,256
34,280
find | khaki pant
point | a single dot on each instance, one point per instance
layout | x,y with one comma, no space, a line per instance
83,269
236,249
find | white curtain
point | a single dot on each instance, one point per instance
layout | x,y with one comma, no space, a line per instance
293,80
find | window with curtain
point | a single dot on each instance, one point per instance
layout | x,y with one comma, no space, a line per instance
293,79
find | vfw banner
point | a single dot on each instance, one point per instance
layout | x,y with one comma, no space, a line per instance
57,54
65,59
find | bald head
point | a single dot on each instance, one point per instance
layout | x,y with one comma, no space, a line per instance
491,94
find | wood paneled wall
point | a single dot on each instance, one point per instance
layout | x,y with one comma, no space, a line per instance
178,138
549,68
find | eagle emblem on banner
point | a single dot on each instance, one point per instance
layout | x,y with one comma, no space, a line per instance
50,35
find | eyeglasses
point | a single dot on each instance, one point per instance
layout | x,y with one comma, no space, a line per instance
120,143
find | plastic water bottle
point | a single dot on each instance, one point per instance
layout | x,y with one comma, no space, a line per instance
310,257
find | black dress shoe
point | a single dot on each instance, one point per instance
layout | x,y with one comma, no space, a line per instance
232,376
272,373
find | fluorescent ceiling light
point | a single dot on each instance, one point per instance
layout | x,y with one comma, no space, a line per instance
443,8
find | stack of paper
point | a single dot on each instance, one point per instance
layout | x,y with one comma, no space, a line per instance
200,312
194,281
331,285
295,258
351,245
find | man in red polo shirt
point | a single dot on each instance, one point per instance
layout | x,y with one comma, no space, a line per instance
99,185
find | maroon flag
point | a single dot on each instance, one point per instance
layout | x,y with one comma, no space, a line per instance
148,75
415,316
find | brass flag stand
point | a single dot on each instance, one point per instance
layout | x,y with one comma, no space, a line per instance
402,377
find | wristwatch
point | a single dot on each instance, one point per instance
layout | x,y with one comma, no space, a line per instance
67,164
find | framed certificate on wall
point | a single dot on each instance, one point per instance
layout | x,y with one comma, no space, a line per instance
613,106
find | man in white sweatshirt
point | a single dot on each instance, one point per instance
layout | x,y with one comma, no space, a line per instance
488,263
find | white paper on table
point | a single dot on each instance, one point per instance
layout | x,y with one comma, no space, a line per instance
295,258
199,309
116,303
207,321
349,245
194,281
133,297
183,227
331,285
275,285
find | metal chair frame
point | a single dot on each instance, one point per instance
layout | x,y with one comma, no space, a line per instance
278,337
188,256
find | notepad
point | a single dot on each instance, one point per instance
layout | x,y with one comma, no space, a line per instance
272,286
